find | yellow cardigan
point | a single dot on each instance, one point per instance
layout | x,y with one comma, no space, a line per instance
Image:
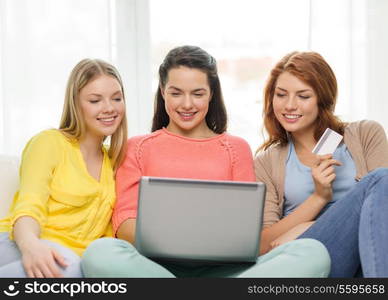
56,189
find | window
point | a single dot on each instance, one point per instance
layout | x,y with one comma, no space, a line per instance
248,37
40,43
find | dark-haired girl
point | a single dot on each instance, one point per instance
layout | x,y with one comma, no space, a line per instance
189,140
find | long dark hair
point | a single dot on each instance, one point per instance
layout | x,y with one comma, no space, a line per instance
196,58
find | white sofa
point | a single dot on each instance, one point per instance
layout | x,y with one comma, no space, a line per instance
9,181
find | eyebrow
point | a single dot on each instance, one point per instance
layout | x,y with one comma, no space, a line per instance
115,93
178,89
300,91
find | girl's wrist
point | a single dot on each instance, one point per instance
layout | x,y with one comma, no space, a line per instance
27,242
321,199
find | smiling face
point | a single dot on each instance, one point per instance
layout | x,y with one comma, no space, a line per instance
295,105
102,106
187,95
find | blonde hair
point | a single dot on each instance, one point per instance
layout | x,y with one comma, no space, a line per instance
72,122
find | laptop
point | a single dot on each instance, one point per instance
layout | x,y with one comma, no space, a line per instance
186,220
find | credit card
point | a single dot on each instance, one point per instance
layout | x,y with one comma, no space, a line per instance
328,142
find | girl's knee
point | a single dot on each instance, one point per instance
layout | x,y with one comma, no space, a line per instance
72,259
104,253
105,246
379,173
314,253
312,246
73,268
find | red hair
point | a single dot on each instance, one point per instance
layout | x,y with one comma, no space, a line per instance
311,68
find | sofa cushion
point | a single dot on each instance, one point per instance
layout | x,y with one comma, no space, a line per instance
9,181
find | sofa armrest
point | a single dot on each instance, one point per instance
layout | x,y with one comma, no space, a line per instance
9,181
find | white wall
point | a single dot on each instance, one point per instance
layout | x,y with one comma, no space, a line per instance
339,33
133,57
42,40
377,67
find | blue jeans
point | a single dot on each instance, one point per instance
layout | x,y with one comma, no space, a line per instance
11,259
355,228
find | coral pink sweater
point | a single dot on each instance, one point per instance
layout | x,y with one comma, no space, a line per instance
164,154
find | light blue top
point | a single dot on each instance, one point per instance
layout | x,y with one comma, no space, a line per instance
299,183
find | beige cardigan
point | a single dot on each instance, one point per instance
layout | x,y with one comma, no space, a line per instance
365,140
